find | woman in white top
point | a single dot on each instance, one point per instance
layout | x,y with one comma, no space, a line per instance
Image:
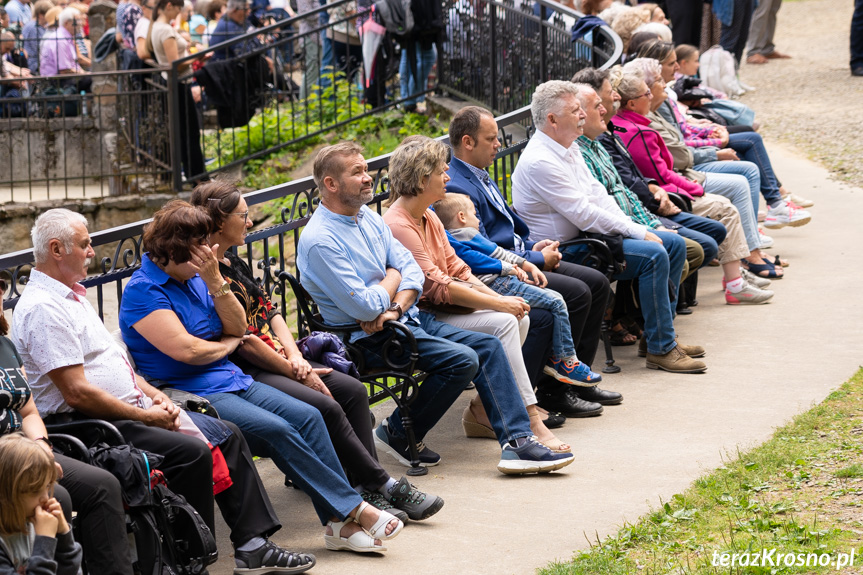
166,45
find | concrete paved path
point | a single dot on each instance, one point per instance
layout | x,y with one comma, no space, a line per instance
766,364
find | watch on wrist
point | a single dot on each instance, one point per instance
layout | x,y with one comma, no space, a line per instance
396,307
225,289
45,440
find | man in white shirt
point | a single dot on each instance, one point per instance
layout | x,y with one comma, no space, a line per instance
557,196
77,370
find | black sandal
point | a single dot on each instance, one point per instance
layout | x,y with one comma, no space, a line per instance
618,336
273,558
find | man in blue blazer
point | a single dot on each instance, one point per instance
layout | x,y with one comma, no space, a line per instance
473,136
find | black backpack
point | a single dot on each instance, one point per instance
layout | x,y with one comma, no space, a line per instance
168,536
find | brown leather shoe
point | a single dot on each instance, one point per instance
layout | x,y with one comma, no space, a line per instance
776,55
675,361
757,59
691,350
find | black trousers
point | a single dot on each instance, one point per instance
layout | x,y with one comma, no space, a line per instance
347,419
537,345
191,154
685,16
733,38
188,466
97,498
585,291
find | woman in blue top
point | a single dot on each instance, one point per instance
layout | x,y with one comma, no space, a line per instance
180,328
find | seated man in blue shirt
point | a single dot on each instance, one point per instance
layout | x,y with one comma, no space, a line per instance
358,273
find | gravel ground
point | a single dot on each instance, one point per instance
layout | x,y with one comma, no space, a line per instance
811,101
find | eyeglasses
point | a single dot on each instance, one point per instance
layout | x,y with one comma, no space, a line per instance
244,215
645,95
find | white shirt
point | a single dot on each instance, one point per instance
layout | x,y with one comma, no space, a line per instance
54,326
141,28
557,196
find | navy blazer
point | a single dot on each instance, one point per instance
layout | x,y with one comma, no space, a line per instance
493,223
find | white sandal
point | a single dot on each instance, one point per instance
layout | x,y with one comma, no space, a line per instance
358,542
379,529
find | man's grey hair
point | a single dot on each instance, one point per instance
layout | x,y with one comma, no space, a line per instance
68,14
55,224
648,69
237,4
584,92
548,99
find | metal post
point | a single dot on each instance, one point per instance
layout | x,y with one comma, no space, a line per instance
543,44
174,127
493,23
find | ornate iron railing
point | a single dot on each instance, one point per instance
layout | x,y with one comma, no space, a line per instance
268,250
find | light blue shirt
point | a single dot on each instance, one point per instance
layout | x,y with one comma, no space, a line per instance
19,12
342,259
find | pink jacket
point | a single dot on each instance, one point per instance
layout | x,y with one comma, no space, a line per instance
651,155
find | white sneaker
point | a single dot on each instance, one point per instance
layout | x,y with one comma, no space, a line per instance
748,295
799,201
781,215
753,279
766,241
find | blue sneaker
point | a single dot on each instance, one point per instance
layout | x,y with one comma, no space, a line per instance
399,449
572,372
532,457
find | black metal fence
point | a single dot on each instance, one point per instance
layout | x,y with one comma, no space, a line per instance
79,136
258,93
497,52
268,250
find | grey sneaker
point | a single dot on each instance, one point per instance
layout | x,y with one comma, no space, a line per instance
782,215
753,279
750,294
378,500
415,503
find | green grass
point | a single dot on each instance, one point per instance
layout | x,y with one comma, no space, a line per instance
794,493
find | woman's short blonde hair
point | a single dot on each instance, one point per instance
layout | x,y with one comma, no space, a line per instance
25,468
415,158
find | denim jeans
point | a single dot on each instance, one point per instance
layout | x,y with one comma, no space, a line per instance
708,233
750,146
857,35
653,265
561,340
293,434
452,357
724,179
410,84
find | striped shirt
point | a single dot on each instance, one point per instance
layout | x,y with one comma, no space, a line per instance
600,165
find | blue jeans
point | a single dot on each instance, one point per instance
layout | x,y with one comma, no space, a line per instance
293,434
750,146
653,265
409,84
452,357
708,233
562,345
739,182
857,35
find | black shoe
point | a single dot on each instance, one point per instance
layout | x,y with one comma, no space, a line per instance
858,71
554,420
600,396
683,309
270,558
569,404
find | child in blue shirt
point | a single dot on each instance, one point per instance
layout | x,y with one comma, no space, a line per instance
511,275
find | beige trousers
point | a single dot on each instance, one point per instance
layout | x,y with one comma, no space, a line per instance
721,209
